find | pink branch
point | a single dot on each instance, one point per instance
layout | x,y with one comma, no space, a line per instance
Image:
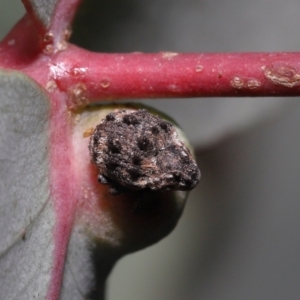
166,74
87,77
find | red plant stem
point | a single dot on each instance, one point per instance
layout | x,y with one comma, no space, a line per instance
87,77
138,75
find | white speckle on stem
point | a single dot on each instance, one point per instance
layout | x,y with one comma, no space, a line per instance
169,55
237,83
79,71
173,88
48,49
11,42
105,83
78,90
253,84
199,68
48,37
51,86
78,96
58,70
240,83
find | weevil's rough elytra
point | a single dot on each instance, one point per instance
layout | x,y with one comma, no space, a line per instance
135,150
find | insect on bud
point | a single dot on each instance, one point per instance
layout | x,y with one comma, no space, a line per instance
136,150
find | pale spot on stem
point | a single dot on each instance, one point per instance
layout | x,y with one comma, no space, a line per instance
105,83
11,42
253,84
282,75
240,83
51,86
78,96
237,83
169,55
199,68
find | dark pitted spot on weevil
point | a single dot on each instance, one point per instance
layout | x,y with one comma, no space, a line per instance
130,120
135,150
155,130
110,117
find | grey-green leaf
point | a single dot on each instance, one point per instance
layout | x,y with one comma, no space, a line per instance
26,214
